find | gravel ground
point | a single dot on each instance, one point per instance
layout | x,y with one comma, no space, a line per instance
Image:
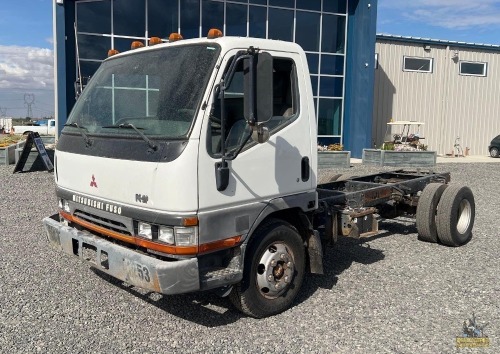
391,293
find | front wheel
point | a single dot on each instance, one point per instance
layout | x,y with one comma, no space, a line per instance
273,272
494,152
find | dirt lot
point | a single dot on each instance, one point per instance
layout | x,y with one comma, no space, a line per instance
390,293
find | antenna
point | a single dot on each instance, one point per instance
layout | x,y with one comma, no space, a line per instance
29,100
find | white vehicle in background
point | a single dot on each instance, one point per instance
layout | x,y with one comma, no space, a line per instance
5,125
49,129
192,165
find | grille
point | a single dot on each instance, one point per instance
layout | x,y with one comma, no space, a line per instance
103,222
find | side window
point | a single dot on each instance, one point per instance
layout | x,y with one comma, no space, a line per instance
285,94
285,107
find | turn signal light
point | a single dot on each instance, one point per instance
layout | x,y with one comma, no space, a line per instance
214,33
154,40
174,37
112,52
190,221
136,44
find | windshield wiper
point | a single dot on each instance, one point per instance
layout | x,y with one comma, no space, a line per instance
143,136
88,142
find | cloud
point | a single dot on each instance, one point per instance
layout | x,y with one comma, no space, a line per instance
450,14
26,68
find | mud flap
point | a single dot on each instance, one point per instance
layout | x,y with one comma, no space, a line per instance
315,252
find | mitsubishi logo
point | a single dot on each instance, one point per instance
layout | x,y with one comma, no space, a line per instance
93,182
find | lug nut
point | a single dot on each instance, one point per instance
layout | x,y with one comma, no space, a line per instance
270,277
283,256
287,279
289,264
273,263
277,286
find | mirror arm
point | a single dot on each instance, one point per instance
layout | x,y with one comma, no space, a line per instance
222,119
237,152
241,55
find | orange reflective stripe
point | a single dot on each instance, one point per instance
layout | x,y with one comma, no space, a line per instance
220,245
169,249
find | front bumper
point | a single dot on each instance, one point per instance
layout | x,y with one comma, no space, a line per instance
166,277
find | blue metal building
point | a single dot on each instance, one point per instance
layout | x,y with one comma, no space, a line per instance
337,35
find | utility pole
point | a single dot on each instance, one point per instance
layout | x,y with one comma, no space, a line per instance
29,100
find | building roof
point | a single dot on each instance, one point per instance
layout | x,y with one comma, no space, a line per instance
390,37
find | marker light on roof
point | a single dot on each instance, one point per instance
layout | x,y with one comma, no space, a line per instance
112,52
174,37
136,44
214,33
154,40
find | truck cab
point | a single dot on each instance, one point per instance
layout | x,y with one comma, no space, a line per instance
175,154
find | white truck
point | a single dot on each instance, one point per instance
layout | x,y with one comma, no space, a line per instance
5,125
49,129
191,166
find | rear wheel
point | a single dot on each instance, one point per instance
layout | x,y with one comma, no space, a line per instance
273,272
426,211
494,152
334,178
455,215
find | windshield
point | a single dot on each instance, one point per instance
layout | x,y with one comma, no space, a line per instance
157,92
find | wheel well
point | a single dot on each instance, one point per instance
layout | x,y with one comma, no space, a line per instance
293,216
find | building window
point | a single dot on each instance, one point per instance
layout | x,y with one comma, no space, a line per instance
423,65
235,26
213,16
469,68
329,117
162,17
307,31
319,26
280,24
93,17
132,18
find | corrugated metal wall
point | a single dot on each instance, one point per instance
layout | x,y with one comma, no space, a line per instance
451,105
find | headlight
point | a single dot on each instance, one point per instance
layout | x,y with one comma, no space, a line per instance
186,236
166,234
145,230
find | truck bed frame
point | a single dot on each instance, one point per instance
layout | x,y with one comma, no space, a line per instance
352,207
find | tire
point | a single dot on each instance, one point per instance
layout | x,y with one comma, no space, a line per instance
426,211
494,152
334,178
345,177
271,281
455,216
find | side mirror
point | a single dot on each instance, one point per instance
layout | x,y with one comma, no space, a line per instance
258,86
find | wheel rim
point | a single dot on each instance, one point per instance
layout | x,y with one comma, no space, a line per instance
494,152
275,270
464,216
